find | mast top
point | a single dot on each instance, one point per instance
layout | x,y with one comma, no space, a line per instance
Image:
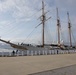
57,14
58,24
58,19
68,17
69,26
69,23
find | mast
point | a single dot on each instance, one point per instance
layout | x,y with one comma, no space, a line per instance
43,20
58,27
69,27
43,23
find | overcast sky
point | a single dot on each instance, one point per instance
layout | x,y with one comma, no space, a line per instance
18,18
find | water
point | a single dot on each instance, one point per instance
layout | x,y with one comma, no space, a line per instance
6,50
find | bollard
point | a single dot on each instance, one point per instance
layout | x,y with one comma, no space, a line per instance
27,53
43,53
46,52
50,52
35,52
22,53
2,54
39,52
31,53
9,54
17,54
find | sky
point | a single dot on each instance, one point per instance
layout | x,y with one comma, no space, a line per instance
18,19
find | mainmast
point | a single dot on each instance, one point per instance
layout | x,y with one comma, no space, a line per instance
58,27
69,27
43,23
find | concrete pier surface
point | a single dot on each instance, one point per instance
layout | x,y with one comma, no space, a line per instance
26,65
69,70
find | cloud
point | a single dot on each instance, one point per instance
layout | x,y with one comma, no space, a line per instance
20,8
22,11
63,3
5,5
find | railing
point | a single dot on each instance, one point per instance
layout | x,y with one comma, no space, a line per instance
35,53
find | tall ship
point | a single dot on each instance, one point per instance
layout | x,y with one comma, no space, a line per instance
44,46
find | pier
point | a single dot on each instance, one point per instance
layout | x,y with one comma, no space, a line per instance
27,65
